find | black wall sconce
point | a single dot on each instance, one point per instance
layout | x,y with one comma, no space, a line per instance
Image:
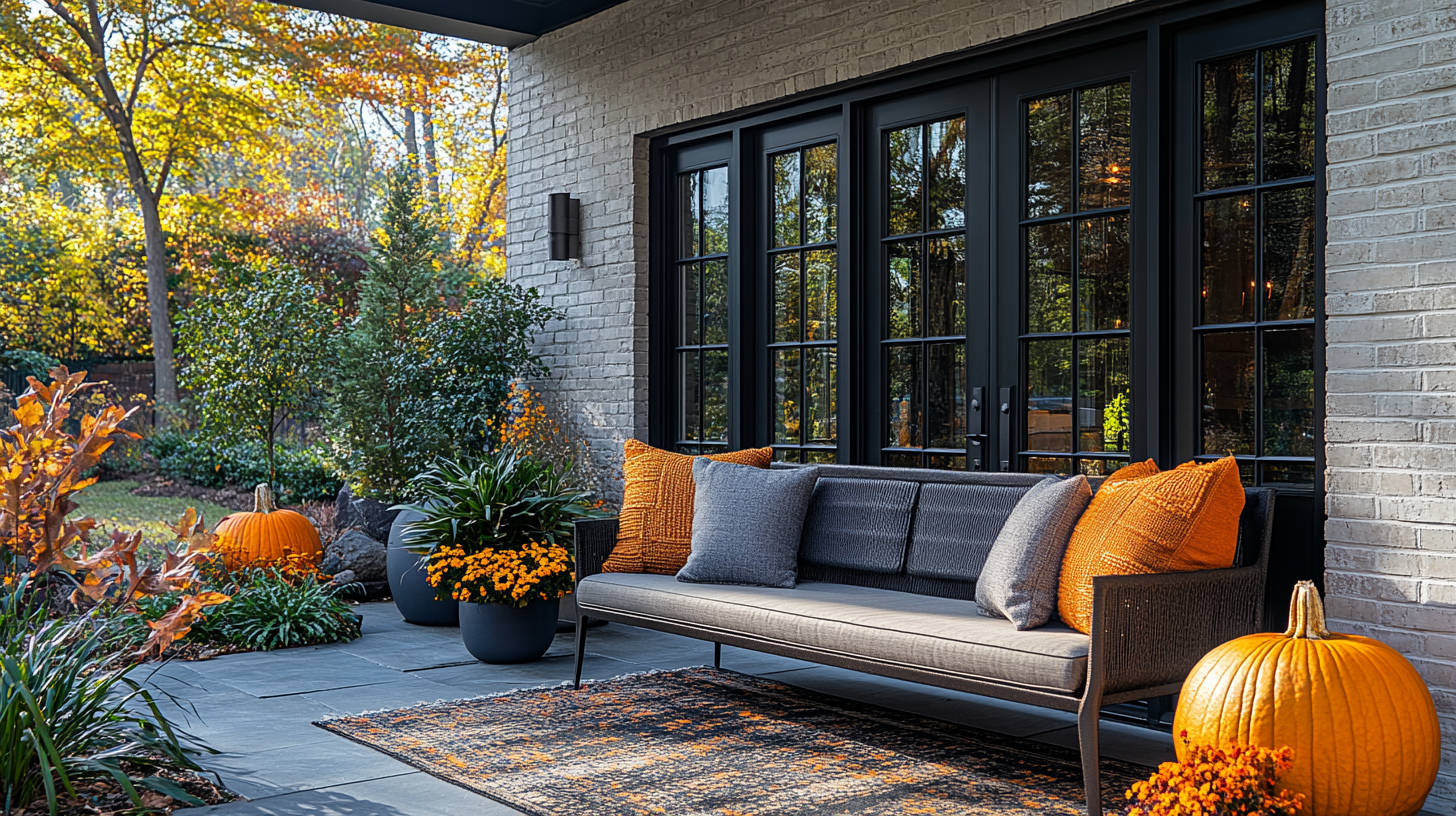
565,227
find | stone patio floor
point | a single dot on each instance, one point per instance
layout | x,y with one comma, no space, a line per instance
257,709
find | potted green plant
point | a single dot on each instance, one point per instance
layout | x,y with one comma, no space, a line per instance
494,536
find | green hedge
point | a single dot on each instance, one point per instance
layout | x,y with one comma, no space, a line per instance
304,473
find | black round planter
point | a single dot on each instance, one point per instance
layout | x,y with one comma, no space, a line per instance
413,596
496,633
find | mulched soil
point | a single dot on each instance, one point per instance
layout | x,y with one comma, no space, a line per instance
103,797
231,498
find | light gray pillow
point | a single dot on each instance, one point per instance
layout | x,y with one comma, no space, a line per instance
1022,572
746,524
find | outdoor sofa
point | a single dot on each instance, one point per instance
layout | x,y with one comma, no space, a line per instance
887,571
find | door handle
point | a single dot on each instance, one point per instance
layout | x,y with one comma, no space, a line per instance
1005,423
976,440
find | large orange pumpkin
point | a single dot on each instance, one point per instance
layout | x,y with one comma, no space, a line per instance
1357,714
267,534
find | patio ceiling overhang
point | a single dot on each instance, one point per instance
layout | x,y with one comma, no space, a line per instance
500,22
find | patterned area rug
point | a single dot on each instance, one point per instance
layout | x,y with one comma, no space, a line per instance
710,741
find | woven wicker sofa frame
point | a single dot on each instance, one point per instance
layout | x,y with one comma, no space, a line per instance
1147,631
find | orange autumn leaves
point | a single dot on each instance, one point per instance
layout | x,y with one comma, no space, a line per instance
1218,781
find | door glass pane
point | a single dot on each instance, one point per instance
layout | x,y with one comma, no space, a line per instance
691,309
945,461
947,392
1289,111
715,211
787,390
687,217
1289,392
1102,395
1099,467
1293,474
1228,259
1049,277
1228,393
901,459
1049,156
903,411
820,457
791,455
1104,154
1049,466
820,408
715,302
821,194
820,296
905,180
1049,395
786,199
904,290
946,282
715,395
946,166
1228,122
1104,270
1289,254
786,297
689,411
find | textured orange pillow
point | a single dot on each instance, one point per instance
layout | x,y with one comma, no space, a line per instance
656,523
1144,521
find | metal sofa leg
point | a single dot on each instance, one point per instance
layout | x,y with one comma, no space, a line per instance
580,649
717,655
1088,718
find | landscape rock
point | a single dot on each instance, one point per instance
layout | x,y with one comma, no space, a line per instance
372,516
358,552
345,577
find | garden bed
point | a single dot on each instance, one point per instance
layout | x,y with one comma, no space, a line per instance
104,797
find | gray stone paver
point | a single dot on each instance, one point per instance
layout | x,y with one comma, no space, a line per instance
257,710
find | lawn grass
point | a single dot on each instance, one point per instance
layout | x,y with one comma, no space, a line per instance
113,504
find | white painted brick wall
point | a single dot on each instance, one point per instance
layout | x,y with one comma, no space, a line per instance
1391,266
580,97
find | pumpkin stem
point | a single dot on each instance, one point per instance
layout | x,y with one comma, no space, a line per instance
1306,613
263,499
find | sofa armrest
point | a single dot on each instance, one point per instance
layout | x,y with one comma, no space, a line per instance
1150,630
594,539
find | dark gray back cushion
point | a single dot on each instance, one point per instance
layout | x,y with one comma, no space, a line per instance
955,526
747,522
859,524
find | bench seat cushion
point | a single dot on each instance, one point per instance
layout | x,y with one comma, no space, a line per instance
939,634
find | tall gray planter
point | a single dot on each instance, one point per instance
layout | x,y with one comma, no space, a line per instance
497,633
413,596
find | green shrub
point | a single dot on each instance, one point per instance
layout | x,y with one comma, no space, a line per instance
304,473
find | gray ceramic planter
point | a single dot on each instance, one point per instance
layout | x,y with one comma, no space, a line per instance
414,598
496,633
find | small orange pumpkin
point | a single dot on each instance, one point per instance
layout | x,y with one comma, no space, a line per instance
267,534
1357,714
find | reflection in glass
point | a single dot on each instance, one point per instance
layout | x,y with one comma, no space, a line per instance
1049,277
715,302
1104,270
1228,122
715,395
1228,259
1049,395
821,194
945,461
786,199
689,411
687,219
898,459
786,455
945,286
946,167
1289,254
904,301
715,211
1048,466
788,388
1289,392
820,408
691,308
1289,111
905,403
1293,474
1104,152
905,180
820,457
946,371
1228,392
786,297
1049,156
821,300
1103,399
1099,467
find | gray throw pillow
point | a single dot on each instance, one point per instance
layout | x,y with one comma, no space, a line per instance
746,524
1023,570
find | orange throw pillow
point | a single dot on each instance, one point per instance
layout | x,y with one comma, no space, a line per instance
1143,521
656,524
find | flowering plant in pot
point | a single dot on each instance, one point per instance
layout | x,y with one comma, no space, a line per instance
495,536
